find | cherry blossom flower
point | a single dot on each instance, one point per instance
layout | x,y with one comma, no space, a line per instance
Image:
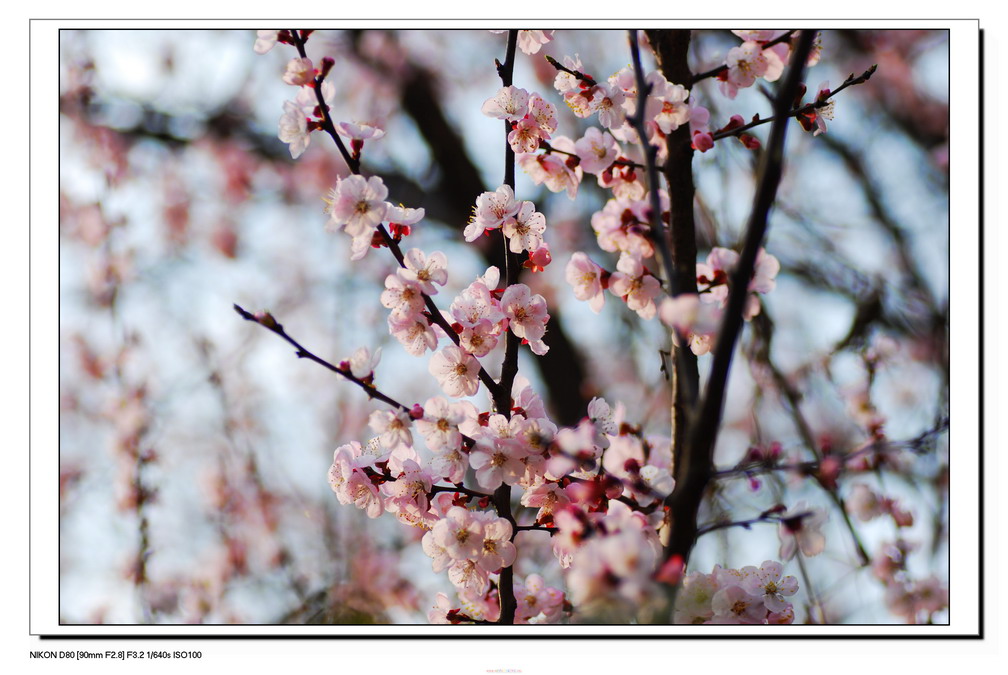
413,332
480,337
693,602
536,599
425,271
497,457
734,605
547,496
544,114
525,135
766,582
619,565
666,104
524,230
702,140
407,496
351,484
467,574
558,173
531,41
402,218
359,131
496,551
293,129
403,296
439,613
492,209
265,41
357,204
801,529
510,103
456,371
392,427
300,72
526,313
825,112
459,533
635,285
564,81
611,113
597,150
749,61
362,363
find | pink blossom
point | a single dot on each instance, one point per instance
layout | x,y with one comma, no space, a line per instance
583,101
768,583
864,504
666,104
467,574
359,131
734,605
392,427
408,494
564,81
544,114
497,457
597,150
440,423
616,566
510,103
611,113
552,170
524,230
476,303
635,285
293,129
265,40
547,496
480,337
459,533
413,332
536,599
456,371
531,41
526,313
492,209
749,61
300,72
525,135
439,613
425,271
693,602
362,363
402,296
496,551
358,205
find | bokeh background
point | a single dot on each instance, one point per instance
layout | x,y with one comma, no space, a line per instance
194,446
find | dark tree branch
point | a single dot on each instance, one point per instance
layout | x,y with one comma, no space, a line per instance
509,368
684,502
671,49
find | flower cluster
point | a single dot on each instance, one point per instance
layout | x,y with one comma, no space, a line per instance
749,595
598,489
